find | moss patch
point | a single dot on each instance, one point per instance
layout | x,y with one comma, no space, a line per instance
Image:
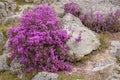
103,41
4,29
22,2
71,77
8,76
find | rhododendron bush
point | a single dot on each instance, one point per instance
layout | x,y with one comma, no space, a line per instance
39,41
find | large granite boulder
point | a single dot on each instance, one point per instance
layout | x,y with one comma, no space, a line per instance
82,41
45,76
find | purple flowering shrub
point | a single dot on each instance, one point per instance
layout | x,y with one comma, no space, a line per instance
98,23
39,41
113,21
72,8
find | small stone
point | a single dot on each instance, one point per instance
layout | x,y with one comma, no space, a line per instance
114,48
3,63
58,8
16,67
45,76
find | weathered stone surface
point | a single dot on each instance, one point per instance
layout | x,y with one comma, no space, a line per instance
89,39
114,48
11,19
116,2
10,5
91,6
45,76
5,49
16,67
3,62
3,12
1,41
59,8
99,67
2,5
7,9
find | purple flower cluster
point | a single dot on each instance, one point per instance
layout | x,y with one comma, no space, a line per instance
113,21
39,42
99,23
72,8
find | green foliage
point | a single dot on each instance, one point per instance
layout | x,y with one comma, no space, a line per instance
22,2
4,29
29,76
8,76
103,41
1,50
72,77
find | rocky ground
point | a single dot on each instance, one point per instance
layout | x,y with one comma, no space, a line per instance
97,56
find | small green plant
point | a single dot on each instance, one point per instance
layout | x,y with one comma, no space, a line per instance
29,76
22,2
102,38
4,30
8,76
72,77
103,41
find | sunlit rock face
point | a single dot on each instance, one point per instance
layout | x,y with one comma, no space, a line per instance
82,41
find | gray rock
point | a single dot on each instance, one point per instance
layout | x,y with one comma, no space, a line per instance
114,48
2,5
45,76
3,13
103,66
89,39
16,67
98,67
23,8
1,41
7,9
116,2
58,8
10,5
3,63
5,49
10,19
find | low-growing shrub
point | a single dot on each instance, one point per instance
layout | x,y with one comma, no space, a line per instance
99,23
72,8
113,21
39,41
